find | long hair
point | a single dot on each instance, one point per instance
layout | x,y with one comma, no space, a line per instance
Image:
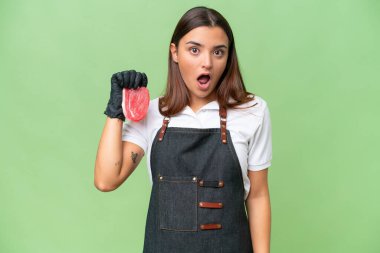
230,84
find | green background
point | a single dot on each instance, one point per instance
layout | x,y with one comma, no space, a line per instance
315,62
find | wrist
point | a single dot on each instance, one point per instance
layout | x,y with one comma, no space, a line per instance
114,112
115,119
116,116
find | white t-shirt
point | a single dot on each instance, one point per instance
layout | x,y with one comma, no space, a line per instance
250,131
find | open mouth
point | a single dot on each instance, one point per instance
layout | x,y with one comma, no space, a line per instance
204,81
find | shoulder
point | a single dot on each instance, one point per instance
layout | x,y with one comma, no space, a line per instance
153,113
153,107
257,107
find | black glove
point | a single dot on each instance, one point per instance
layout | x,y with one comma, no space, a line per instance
129,79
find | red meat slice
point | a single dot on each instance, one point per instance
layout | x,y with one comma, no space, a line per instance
135,103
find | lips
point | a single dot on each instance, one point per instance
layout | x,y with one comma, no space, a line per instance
203,81
204,78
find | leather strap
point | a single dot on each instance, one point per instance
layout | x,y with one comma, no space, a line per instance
223,124
210,204
213,184
210,226
165,123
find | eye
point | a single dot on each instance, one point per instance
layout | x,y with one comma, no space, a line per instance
194,50
221,52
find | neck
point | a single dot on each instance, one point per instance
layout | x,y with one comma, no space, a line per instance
197,103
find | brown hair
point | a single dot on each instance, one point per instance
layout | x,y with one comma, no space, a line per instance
231,83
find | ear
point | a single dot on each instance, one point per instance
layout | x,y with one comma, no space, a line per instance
173,50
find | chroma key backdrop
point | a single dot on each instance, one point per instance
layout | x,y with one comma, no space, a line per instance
315,62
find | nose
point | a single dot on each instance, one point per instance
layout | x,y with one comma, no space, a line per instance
207,61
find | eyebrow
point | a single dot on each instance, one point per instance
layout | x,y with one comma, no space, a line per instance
198,44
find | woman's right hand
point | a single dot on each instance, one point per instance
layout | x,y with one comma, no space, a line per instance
117,159
129,79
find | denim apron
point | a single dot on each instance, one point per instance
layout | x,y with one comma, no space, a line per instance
197,199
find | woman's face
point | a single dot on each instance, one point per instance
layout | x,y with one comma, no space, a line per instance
202,57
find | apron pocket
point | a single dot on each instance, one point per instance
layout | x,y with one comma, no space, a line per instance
177,198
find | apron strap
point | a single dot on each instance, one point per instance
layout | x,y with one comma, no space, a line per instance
165,123
223,125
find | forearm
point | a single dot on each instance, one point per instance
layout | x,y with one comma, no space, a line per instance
259,216
110,152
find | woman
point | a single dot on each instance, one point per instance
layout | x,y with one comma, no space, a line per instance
208,142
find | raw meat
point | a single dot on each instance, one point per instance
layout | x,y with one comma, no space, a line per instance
135,103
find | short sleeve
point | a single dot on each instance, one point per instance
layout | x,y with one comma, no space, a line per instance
135,131
260,145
